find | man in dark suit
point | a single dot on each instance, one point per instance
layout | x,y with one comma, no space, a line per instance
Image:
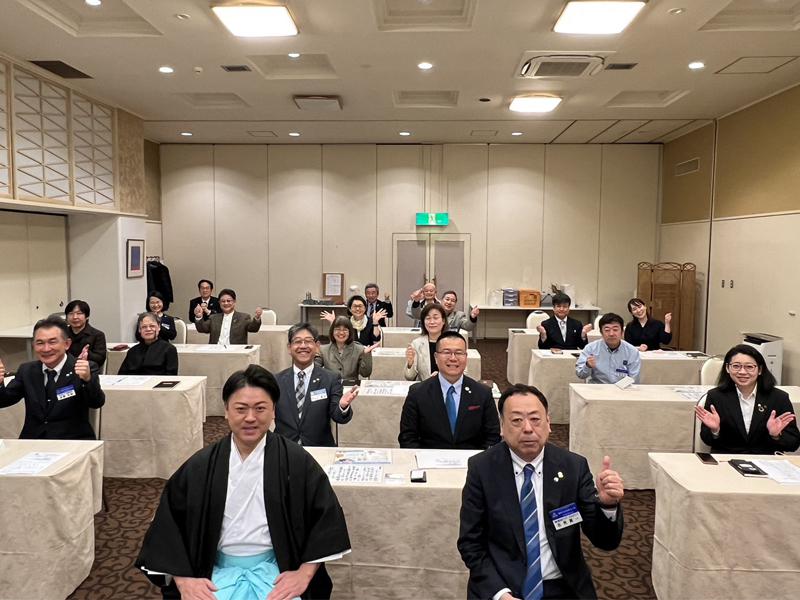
310,395
523,504
208,303
371,292
561,331
230,326
449,410
58,389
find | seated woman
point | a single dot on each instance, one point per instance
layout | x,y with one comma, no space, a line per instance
151,356
746,413
367,331
420,359
157,306
82,334
352,360
646,333
458,319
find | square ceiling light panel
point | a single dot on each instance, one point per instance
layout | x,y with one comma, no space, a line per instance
252,19
424,15
753,65
597,17
78,19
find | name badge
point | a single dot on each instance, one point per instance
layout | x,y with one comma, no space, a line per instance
565,516
317,395
164,326
622,370
65,392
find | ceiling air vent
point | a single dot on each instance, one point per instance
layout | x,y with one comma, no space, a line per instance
556,65
236,68
687,166
620,66
61,69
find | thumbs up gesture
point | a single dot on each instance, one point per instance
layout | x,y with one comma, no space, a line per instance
610,488
82,368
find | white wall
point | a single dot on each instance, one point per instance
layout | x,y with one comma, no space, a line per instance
534,214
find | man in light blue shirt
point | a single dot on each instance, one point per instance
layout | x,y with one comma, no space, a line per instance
610,359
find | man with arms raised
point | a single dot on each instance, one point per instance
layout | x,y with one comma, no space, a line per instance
561,330
449,410
250,517
524,504
58,389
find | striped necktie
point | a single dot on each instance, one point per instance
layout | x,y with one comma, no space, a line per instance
532,588
300,392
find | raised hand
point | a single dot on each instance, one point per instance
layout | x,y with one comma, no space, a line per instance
667,318
711,418
2,372
84,355
775,425
378,315
474,312
387,298
82,368
542,331
411,355
417,295
642,347
348,398
369,349
586,329
259,312
610,487
327,316
198,312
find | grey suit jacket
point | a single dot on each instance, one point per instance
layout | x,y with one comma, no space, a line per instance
352,363
314,428
242,323
458,319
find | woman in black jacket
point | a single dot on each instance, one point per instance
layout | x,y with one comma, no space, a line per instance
151,356
157,305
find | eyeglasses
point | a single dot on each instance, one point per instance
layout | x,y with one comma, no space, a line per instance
302,342
76,313
748,368
449,353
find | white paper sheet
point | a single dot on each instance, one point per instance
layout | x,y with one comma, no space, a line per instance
32,463
781,471
443,459
355,473
123,380
690,392
364,456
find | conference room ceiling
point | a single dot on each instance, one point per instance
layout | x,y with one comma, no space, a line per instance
366,52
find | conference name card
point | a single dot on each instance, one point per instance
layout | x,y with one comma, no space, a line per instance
32,463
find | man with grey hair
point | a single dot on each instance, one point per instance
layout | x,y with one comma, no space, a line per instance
371,292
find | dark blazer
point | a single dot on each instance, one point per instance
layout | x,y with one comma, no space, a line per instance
424,423
314,429
554,339
652,334
492,539
387,306
159,358
66,419
733,439
213,306
96,340
241,324
168,331
368,335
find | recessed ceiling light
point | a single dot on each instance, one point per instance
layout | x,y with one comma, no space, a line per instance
697,65
293,55
94,2
405,133
166,69
676,11
186,133
183,17
256,21
515,133
294,134
538,103
597,17
425,66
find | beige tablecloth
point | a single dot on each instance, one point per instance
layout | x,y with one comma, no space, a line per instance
272,339
403,535
47,520
399,337
390,363
214,362
150,432
520,344
628,424
376,415
719,535
552,374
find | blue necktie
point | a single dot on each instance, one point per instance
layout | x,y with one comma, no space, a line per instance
532,588
450,405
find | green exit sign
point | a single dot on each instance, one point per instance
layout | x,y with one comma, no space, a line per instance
433,219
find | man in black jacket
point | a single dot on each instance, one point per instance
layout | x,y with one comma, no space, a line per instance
561,331
209,303
371,292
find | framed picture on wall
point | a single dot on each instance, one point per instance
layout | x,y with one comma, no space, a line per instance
135,259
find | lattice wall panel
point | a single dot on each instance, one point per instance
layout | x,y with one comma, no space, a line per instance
5,138
93,144
41,155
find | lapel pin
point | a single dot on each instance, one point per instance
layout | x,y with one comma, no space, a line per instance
761,408
560,475
316,380
555,479
466,387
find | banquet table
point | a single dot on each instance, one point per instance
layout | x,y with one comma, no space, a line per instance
272,339
47,520
719,535
390,363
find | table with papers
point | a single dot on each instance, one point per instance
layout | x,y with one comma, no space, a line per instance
376,415
215,362
404,534
390,363
47,518
628,424
720,535
272,339
552,374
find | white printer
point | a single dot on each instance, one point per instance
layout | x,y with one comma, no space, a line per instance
771,348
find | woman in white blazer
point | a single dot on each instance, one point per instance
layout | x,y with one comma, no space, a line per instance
420,361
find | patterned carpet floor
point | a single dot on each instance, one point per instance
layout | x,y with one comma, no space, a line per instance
624,573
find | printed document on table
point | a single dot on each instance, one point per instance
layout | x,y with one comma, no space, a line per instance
32,463
363,456
443,459
690,392
781,471
355,473
121,380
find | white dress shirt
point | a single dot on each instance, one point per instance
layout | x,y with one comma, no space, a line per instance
446,386
225,331
562,325
57,369
747,405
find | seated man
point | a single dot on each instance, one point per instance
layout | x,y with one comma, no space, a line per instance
230,326
561,331
207,303
449,410
419,300
371,292
58,389
313,394
610,359
251,514
81,334
516,538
